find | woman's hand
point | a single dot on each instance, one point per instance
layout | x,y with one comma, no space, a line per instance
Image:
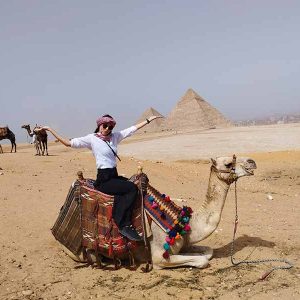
64,141
147,121
43,128
154,117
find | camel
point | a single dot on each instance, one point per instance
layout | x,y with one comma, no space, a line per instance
204,221
40,141
32,134
1,150
6,133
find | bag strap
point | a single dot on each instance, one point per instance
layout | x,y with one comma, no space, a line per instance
115,154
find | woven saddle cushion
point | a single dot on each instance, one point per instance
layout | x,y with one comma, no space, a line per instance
99,231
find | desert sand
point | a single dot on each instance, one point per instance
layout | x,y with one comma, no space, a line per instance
33,189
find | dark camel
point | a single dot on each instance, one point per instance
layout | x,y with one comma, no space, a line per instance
6,133
42,138
41,141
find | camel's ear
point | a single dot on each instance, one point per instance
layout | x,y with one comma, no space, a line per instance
214,162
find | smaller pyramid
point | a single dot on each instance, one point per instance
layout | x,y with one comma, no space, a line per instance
193,112
155,125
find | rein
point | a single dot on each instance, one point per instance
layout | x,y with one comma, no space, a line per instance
288,265
233,178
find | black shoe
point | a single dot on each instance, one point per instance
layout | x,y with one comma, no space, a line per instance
130,233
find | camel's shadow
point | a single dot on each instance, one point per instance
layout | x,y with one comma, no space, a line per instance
240,243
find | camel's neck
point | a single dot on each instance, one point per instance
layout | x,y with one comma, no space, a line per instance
206,220
29,131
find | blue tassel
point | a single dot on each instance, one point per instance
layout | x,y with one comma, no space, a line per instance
166,246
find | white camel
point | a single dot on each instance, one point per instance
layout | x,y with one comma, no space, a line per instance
204,221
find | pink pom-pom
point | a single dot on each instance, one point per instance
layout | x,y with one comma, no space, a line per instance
154,205
187,227
168,239
182,213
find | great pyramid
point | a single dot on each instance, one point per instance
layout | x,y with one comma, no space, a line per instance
193,112
155,125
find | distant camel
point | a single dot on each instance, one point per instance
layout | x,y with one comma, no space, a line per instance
42,138
6,133
1,150
40,141
31,134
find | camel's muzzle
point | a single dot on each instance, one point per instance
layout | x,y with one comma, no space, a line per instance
249,166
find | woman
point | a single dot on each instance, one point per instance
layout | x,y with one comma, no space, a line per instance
103,143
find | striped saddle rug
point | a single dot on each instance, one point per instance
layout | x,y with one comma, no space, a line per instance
161,209
99,231
85,222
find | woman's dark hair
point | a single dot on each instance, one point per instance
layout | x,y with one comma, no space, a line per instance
97,129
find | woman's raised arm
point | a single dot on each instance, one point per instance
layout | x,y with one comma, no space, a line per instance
147,121
64,141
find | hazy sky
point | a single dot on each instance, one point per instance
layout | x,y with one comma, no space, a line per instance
64,63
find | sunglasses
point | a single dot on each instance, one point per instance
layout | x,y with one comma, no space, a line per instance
110,127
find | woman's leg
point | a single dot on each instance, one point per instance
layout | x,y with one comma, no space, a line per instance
125,193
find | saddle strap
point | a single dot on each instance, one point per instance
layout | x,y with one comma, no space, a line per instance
149,264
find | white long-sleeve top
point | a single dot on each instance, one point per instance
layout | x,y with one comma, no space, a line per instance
102,153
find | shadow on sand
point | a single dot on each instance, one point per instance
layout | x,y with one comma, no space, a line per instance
240,243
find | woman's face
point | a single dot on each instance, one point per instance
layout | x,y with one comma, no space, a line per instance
105,129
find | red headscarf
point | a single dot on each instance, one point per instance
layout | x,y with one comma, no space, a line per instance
105,120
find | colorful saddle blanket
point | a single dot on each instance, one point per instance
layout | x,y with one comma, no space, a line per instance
161,209
85,220
99,231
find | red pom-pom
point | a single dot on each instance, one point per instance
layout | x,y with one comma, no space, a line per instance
187,227
166,255
172,241
167,199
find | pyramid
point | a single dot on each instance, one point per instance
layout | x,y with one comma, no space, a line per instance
155,125
193,112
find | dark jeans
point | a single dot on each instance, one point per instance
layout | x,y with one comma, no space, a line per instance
125,193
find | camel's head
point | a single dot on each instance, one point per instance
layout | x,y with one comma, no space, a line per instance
231,169
25,126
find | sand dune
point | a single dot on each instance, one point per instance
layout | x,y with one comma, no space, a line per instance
32,190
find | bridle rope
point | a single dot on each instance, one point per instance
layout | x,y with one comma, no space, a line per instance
233,178
288,265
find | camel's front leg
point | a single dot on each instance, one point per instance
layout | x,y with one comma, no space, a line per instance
43,148
46,146
183,260
198,250
37,149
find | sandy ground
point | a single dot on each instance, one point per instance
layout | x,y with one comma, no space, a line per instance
32,190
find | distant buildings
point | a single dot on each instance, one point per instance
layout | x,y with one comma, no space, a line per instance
274,119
